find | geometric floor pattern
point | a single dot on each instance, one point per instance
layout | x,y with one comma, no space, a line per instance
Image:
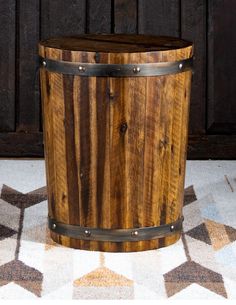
201,265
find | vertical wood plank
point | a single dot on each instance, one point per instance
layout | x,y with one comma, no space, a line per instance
125,16
7,65
59,145
152,156
193,28
28,109
98,16
60,17
85,148
159,17
221,108
103,165
118,181
134,99
70,142
48,138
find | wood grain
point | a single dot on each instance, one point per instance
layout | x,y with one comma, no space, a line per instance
206,23
159,17
99,16
125,16
28,105
59,17
115,147
7,65
221,106
194,28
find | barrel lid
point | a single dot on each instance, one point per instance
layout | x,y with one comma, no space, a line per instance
116,43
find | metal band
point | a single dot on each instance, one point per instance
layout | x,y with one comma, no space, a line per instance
115,70
115,235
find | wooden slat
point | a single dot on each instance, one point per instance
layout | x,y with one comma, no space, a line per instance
125,16
159,17
48,138
60,17
193,28
103,154
7,65
117,157
134,95
70,142
103,157
152,157
221,107
98,16
118,178
28,106
85,143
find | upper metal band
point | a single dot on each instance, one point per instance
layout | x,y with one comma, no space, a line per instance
115,70
115,235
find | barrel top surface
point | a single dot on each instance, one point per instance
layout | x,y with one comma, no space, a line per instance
116,43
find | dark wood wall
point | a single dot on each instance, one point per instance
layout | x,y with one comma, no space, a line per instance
210,24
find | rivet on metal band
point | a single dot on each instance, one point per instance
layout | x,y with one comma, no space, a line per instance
115,235
116,70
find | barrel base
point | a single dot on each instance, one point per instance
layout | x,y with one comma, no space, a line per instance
115,246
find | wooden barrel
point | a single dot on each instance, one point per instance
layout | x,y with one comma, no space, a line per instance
115,114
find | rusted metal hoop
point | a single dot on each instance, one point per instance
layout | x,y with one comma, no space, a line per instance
116,70
115,235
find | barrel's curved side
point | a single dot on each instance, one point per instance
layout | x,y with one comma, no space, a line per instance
115,148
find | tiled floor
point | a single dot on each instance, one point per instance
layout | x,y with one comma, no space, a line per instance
201,265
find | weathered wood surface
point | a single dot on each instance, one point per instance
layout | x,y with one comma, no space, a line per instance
209,24
99,16
159,17
194,28
101,174
28,106
125,16
7,65
221,111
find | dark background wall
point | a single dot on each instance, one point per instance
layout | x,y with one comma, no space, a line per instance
210,24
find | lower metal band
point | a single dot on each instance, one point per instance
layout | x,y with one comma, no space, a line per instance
115,235
116,70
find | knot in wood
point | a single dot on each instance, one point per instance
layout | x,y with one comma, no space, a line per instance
123,127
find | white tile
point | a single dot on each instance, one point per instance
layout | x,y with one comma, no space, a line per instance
84,262
171,257
32,254
23,175
7,249
13,291
63,293
58,268
230,286
142,292
120,263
